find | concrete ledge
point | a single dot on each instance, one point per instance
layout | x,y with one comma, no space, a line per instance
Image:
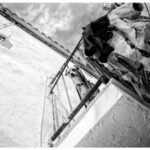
126,124
97,109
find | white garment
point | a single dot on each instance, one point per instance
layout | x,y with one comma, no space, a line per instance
127,10
123,26
135,31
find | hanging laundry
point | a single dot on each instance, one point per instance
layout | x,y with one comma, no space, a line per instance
121,21
95,37
124,19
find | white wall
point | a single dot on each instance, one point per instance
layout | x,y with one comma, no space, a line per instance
99,107
23,71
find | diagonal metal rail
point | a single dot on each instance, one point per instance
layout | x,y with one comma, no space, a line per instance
59,73
34,32
76,110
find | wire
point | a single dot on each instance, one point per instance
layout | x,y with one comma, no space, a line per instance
147,9
43,113
67,93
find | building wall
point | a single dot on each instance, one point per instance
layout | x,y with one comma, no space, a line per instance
24,68
127,124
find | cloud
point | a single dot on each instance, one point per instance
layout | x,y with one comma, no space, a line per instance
82,14
32,12
62,21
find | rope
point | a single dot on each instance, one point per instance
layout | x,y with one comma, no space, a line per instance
53,113
56,114
43,113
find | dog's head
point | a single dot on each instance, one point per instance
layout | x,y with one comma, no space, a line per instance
72,72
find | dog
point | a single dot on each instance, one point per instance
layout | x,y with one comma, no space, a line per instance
82,85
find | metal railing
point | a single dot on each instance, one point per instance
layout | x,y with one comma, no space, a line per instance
62,120
67,112
64,113
62,90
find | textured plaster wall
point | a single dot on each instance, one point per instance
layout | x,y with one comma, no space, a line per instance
23,71
102,103
127,124
24,68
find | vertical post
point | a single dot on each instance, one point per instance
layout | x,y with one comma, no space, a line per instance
60,72
53,111
67,93
56,115
78,93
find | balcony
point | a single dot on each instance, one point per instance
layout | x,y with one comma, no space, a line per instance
115,118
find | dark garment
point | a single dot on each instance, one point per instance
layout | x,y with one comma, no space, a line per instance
138,7
89,47
100,26
95,37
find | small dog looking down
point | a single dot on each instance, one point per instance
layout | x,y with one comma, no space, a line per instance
82,85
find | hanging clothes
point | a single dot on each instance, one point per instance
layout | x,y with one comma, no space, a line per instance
128,10
124,19
95,38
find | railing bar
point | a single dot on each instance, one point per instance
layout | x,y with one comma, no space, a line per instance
58,91
112,75
54,127
59,73
78,93
95,67
56,113
86,98
77,109
67,93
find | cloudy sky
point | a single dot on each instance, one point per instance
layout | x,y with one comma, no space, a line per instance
61,21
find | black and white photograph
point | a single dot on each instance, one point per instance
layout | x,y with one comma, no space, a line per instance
75,74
